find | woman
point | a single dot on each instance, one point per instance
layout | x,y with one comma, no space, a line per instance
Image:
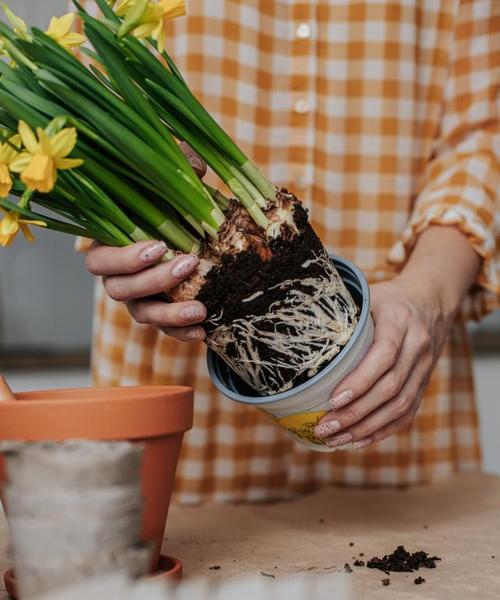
383,117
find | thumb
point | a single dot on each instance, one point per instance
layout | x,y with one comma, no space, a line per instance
195,160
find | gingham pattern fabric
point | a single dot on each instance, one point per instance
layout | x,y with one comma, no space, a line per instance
383,117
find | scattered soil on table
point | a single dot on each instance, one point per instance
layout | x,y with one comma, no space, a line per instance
268,575
321,521
419,580
215,568
359,563
402,561
347,568
351,543
361,553
386,581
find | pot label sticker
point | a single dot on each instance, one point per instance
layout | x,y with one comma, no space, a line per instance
302,425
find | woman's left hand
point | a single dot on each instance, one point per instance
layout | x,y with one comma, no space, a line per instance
382,395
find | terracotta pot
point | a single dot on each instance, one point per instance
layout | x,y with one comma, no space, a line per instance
156,417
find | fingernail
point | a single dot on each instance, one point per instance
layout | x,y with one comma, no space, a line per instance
361,443
192,313
341,399
340,440
327,429
153,252
195,334
185,266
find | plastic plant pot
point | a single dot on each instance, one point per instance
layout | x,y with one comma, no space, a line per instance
298,410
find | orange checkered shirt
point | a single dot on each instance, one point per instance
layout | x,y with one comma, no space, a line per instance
383,116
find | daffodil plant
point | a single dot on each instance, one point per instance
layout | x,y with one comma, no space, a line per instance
96,147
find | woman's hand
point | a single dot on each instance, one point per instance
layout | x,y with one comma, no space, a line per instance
129,277
133,274
383,393
412,313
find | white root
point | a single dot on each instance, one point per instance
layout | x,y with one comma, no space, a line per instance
303,331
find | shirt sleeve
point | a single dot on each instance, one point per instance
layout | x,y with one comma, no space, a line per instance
461,185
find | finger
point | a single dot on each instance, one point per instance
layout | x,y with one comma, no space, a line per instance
163,314
106,260
195,160
386,388
185,334
403,405
148,282
386,431
382,356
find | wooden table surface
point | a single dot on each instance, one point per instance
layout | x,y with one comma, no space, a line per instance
458,520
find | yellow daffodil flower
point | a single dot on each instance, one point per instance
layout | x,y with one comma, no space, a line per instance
60,31
44,156
12,224
153,21
124,7
8,153
18,25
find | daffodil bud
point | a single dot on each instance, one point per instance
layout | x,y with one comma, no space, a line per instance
133,17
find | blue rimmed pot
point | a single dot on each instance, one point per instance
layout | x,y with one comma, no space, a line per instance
298,410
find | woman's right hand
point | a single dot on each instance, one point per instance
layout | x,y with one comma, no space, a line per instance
129,277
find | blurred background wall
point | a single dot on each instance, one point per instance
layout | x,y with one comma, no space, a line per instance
46,294
46,307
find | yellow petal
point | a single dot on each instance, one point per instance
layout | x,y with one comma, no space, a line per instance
161,38
8,151
20,162
27,233
62,25
72,40
145,30
32,222
44,146
53,27
64,164
28,137
41,174
173,8
123,7
5,240
9,225
5,181
63,142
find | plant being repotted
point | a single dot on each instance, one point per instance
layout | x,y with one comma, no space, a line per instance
278,310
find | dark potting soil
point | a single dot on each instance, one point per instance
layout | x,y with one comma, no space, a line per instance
386,582
419,580
240,276
402,561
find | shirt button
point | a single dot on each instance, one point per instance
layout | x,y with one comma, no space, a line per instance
302,106
303,31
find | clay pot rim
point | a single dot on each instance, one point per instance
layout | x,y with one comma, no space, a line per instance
112,413
132,393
